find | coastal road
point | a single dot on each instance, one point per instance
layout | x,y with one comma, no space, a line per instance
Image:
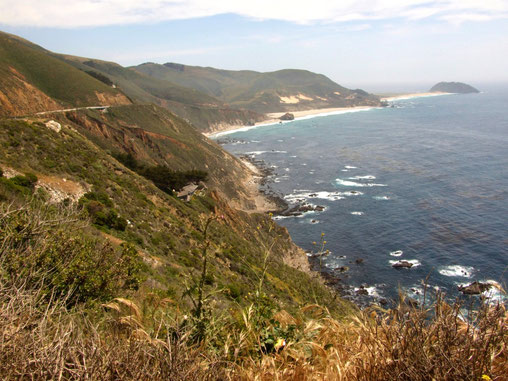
72,109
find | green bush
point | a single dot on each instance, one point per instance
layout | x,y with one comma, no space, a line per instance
27,181
47,246
99,208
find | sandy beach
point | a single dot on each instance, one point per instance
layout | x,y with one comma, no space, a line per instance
273,118
413,95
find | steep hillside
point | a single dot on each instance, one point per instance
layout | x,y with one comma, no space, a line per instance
166,232
283,90
32,80
155,136
204,111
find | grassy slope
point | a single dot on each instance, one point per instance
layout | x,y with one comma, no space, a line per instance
164,227
259,91
156,136
202,110
53,77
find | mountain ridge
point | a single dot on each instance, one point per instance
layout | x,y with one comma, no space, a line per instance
277,91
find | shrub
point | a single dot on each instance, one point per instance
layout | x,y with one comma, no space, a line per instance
99,208
48,247
27,181
100,77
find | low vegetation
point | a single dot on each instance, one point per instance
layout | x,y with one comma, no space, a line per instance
71,307
162,176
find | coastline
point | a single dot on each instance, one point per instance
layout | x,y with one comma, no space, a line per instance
273,118
413,95
262,203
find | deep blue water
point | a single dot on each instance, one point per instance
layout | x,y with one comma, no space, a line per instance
431,180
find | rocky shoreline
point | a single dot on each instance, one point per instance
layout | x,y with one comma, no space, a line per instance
336,278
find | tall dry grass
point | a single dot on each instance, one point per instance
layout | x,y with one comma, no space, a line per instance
43,336
405,343
41,340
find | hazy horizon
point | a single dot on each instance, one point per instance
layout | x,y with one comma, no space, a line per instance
356,45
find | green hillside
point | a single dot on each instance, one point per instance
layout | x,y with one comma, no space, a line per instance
283,90
30,73
203,111
106,274
157,137
165,231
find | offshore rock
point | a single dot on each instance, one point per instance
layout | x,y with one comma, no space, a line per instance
287,116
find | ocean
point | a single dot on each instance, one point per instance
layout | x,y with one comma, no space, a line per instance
424,181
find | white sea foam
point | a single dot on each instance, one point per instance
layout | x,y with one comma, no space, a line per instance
415,262
349,167
255,153
367,177
494,294
396,253
347,183
302,195
372,291
357,213
345,170
381,198
457,271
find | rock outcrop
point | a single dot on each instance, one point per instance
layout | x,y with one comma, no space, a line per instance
287,116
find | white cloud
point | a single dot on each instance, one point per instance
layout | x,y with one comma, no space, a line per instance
80,13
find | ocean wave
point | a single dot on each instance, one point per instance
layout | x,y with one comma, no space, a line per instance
347,183
494,294
302,195
396,253
371,291
381,198
349,167
457,271
357,213
255,153
367,177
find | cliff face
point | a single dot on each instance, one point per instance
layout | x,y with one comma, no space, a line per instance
453,87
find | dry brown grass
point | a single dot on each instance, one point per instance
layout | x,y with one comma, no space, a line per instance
401,344
43,337
45,340
41,340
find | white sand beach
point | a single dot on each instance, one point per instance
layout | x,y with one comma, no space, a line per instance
412,95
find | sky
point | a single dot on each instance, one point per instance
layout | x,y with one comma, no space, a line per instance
389,45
